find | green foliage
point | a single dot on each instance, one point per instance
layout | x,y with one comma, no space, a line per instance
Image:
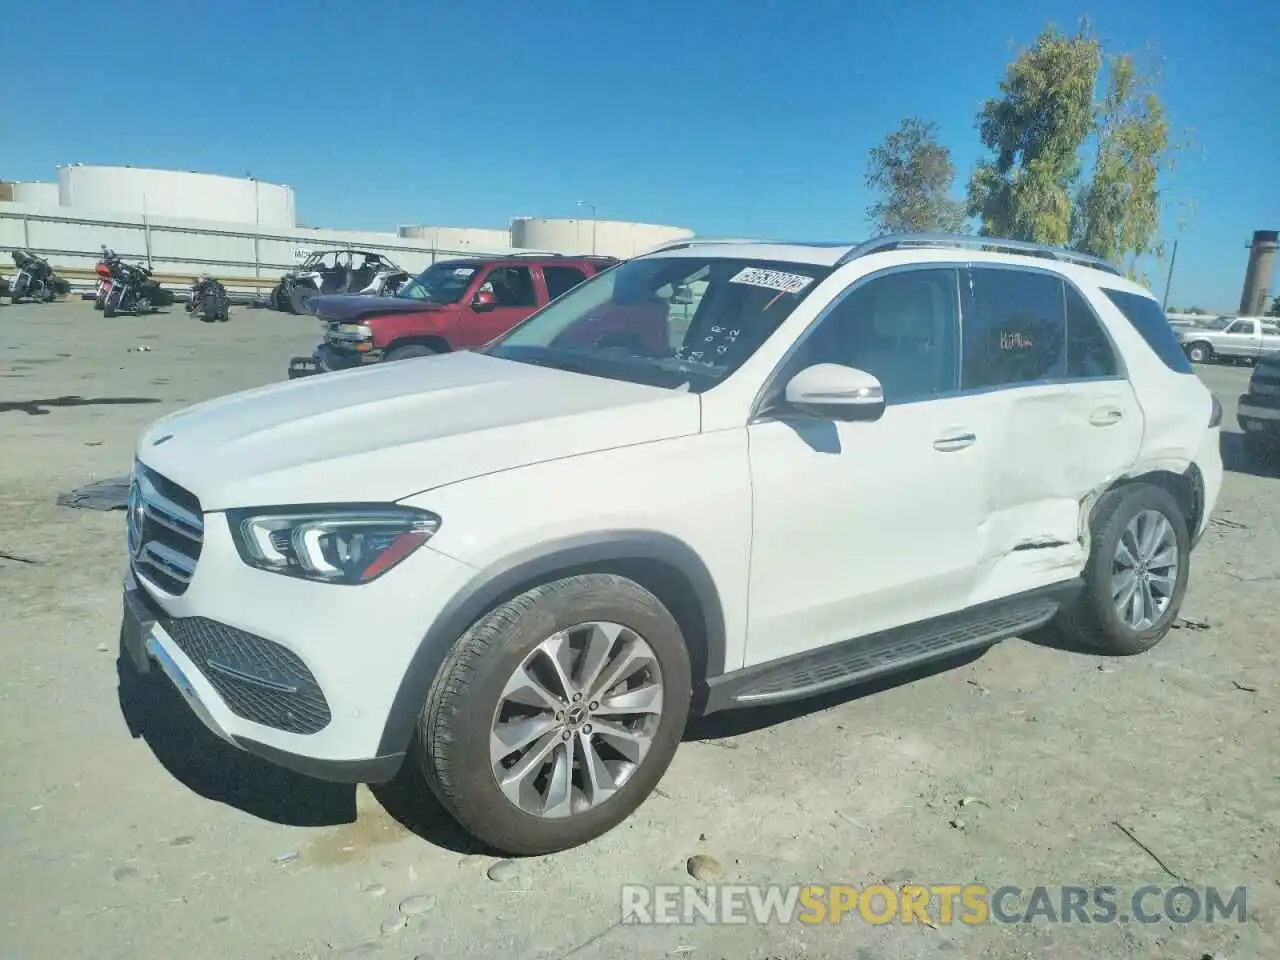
914,175
1035,130
1117,214
1275,307
1030,187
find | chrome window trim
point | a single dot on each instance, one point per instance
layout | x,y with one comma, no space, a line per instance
1121,375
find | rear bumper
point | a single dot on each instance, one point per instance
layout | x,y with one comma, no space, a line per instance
1255,418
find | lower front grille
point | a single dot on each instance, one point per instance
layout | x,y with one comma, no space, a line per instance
260,681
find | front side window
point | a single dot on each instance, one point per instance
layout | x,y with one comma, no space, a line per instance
901,328
511,286
439,283
1014,327
1241,326
679,322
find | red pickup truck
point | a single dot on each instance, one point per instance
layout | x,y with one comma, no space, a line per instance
452,305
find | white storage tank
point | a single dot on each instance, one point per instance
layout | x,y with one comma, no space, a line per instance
175,193
613,238
35,193
460,239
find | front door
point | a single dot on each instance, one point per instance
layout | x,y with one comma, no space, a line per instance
514,298
859,527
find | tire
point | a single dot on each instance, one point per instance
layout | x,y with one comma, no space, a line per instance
411,350
299,297
455,728
111,305
1199,352
1093,619
1259,451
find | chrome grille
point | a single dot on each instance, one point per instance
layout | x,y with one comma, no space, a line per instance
165,530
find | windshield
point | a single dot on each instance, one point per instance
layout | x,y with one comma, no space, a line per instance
676,322
439,283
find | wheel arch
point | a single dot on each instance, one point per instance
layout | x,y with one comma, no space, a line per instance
1187,488
437,343
662,564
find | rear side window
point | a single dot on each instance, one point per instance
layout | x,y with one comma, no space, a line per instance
1014,328
1145,315
1089,352
561,280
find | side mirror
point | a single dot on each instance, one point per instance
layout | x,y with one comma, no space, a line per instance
830,391
483,300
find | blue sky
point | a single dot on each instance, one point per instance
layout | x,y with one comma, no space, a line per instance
748,118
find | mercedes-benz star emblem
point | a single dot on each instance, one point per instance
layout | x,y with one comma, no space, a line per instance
135,522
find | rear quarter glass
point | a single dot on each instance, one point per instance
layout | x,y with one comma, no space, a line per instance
1147,317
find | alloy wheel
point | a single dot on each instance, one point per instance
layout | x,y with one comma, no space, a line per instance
576,719
1144,570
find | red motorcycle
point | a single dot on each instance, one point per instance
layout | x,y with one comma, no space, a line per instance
110,260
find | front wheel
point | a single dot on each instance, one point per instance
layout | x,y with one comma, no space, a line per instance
409,351
299,298
1200,353
1136,576
556,714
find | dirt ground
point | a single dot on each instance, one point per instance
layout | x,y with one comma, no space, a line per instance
1029,766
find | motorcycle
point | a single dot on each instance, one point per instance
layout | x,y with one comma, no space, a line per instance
108,262
36,280
133,290
209,300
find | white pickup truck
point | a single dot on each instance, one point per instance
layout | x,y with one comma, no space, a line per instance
1245,338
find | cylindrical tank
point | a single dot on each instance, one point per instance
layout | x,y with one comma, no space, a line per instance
1257,276
35,193
175,193
460,239
613,238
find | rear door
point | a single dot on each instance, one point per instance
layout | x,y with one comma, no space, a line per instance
1068,420
515,297
559,280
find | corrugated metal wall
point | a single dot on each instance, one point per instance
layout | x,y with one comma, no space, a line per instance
181,246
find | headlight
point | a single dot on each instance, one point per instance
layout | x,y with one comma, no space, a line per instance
349,545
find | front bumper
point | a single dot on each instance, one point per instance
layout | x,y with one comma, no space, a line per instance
1259,416
328,357
301,674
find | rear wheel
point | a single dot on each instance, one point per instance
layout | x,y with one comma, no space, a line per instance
556,714
111,305
411,350
1136,575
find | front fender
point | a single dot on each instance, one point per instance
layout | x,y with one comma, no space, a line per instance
527,568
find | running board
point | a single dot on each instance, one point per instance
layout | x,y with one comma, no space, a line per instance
901,648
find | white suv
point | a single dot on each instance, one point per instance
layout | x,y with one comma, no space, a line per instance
722,474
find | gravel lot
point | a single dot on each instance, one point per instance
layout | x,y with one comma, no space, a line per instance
1027,766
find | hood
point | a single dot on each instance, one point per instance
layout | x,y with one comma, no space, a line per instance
391,430
343,308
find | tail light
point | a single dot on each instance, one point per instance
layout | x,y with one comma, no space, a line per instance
103,270
1215,413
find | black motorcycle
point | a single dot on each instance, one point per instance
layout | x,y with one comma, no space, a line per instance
36,280
133,290
209,301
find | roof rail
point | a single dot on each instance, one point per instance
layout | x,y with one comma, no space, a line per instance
696,242
964,241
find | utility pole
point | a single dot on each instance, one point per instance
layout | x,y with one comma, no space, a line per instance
594,219
1169,280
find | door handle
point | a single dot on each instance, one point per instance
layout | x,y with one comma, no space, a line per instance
955,441
1106,416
